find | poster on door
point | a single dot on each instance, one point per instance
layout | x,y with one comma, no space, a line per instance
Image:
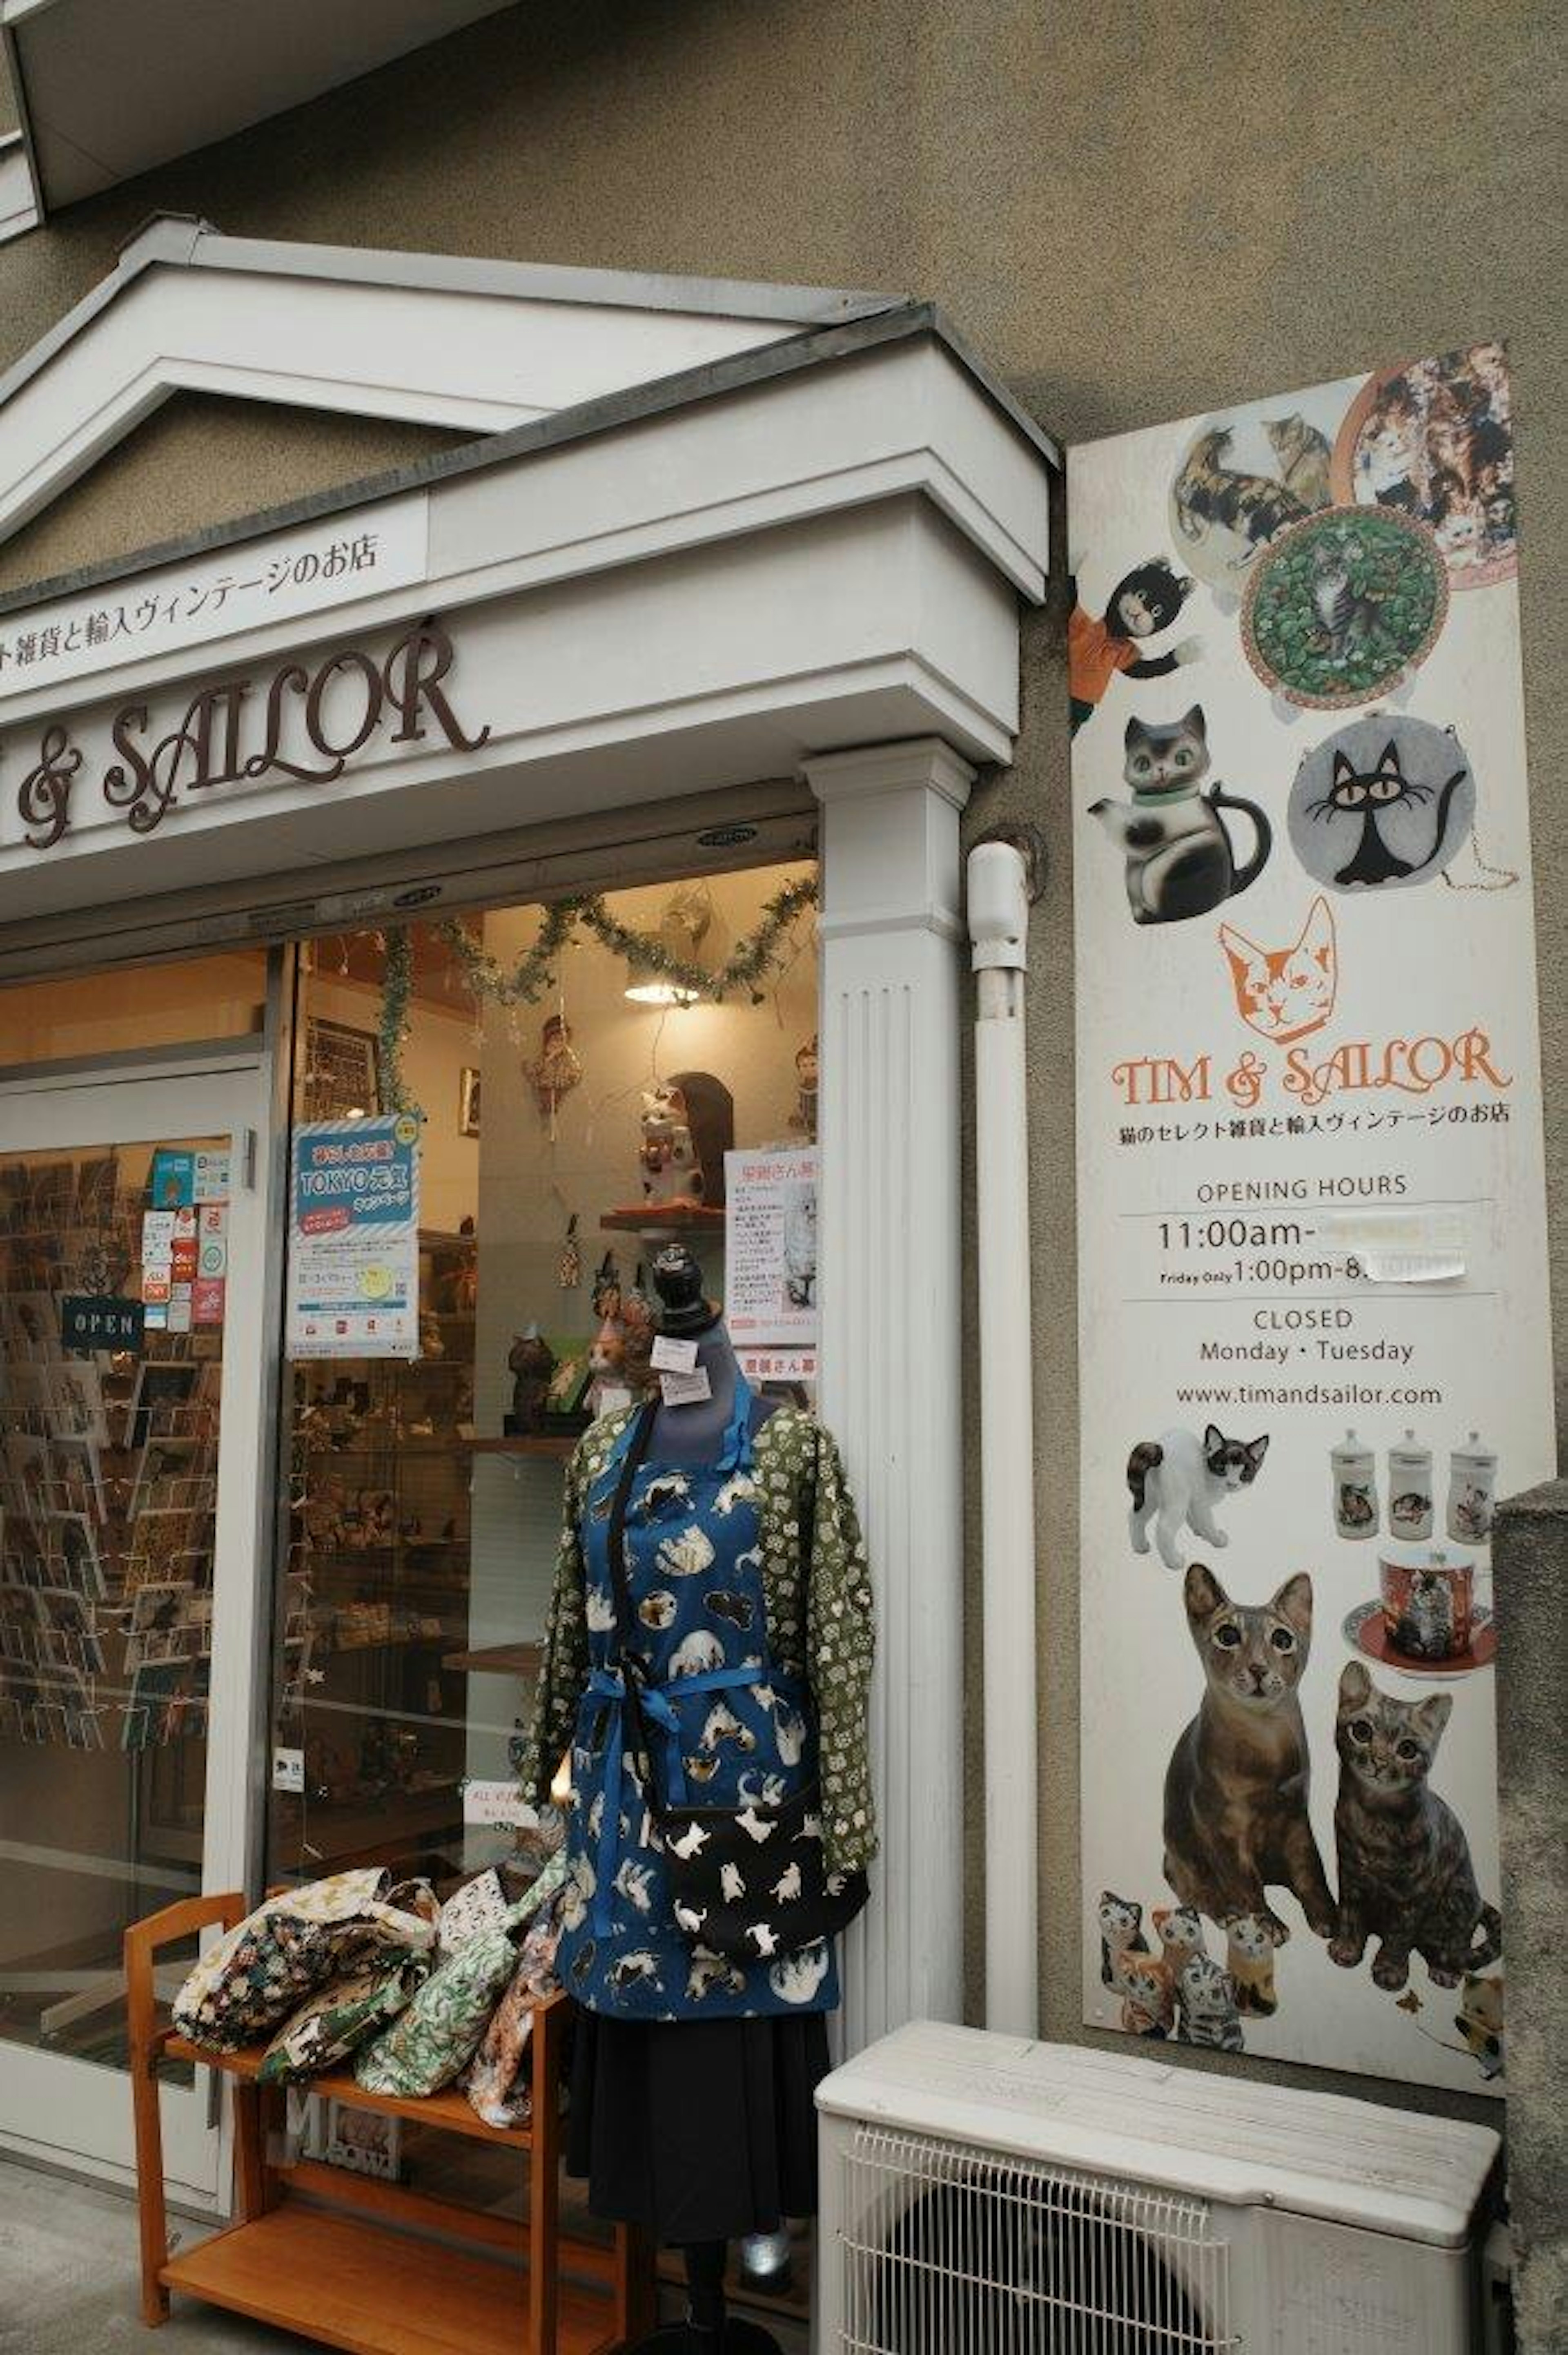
353,1238
1314,1323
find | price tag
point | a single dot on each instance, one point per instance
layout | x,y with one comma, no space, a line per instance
685,1390
673,1357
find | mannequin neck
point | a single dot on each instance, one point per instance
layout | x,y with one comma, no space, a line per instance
692,1435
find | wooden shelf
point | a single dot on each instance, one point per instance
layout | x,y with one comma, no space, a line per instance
676,1219
453,2112
498,1660
330,2278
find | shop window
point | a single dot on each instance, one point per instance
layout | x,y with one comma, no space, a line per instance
425,1492
143,1007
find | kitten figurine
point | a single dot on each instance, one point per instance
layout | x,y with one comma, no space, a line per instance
1208,2002
1149,1999
1179,857
1121,1932
1282,994
1406,1874
1249,1958
1181,1935
1177,1480
1302,454
1480,2020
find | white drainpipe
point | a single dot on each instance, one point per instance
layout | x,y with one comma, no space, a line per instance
998,895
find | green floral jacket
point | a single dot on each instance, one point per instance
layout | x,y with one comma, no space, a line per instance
819,1616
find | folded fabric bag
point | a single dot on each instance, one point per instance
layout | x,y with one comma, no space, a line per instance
338,2019
438,2033
496,2079
262,1969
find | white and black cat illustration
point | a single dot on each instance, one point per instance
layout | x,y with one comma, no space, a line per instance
1179,861
1177,1481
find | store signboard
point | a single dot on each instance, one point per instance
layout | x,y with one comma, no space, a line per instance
353,1238
770,1245
1313,1310
293,574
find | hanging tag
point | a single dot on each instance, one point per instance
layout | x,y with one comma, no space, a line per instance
685,1390
673,1357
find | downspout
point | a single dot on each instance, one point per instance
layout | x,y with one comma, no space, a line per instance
1001,882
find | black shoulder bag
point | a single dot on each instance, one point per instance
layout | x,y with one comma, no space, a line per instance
747,1882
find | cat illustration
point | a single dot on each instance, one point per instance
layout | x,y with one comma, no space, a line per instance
1282,994
1349,625
710,1971
1207,492
1236,1787
1121,1932
1178,1480
800,1245
1366,792
1470,1514
1303,455
1355,1507
1207,1998
1406,1874
1249,1958
1147,1998
1144,602
1180,861
1425,1629
795,1978
1181,1934
1480,2020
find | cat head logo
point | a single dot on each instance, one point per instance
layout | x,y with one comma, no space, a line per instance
1283,993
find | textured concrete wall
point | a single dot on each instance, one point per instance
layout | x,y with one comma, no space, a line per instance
1529,1554
1134,213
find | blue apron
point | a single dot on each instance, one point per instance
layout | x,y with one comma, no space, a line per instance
723,1726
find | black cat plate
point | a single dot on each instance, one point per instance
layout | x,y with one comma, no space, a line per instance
1366,1630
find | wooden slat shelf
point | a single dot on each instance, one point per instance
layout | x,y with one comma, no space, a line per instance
348,2260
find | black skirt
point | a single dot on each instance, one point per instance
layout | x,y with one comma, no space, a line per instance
698,2129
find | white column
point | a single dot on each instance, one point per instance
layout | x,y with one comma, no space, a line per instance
889,1254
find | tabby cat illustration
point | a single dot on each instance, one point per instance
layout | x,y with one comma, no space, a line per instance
1349,625
1121,1932
1366,792
1425,1629
1180,861
1207,493
1179,1479
1282,994
1207,1997
1405,1875
1236,1787
1303,455
1480,2020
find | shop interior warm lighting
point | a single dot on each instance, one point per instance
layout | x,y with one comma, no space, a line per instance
686,924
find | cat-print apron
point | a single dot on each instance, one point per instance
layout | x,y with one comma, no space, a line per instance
725,1724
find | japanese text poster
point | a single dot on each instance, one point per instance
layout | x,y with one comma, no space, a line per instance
1314,1326
353,1238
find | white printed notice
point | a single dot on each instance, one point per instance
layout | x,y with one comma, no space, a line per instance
353,1238
770,1244
1313,1312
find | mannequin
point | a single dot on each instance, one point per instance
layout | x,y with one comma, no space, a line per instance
709,1647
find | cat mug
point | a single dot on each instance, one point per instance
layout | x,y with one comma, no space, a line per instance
1428,1601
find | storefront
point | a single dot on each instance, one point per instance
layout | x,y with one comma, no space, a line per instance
707,639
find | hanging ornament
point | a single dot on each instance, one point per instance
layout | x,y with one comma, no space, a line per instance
569,1272
804,1116
555,1071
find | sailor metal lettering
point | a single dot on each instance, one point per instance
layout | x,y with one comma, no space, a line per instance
335,708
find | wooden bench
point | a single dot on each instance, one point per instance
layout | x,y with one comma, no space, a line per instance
355,2262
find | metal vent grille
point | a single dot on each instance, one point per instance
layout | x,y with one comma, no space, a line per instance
953,2251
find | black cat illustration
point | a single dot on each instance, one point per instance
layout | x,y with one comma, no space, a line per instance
1368,792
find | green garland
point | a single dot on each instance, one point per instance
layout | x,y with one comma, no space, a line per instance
749,962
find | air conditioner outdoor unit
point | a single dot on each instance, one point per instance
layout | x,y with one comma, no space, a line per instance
983,2195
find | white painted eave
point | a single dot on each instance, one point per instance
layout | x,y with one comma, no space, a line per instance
109,89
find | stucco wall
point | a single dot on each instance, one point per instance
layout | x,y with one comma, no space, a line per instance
1134,214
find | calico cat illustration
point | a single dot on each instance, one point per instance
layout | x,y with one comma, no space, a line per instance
1178,1480
1121,1932
1480,2020
1207,492
1147,1996
1425,1629
1236,1787
1207,1997
1180,861
1406,1874
1144,602
1249,1958
1282,994
1179,1932
1366,792
1303,457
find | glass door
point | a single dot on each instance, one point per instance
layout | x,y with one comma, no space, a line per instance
131,1392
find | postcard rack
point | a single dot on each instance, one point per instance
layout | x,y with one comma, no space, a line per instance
375,2268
